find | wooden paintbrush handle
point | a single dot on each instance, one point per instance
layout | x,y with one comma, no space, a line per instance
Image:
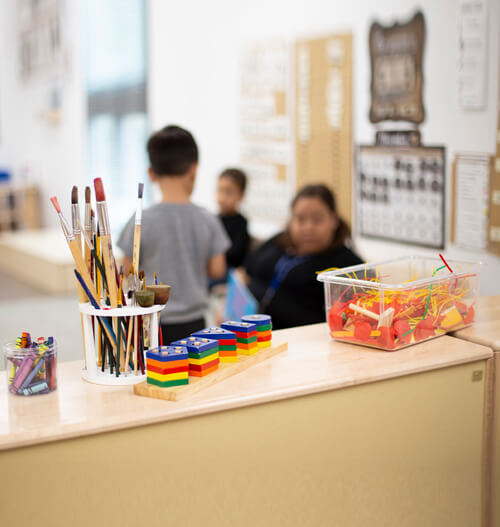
82,297
137,248
109,268
76,251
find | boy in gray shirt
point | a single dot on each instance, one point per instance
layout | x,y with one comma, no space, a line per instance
183,243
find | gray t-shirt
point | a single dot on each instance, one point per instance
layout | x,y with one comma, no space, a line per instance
177,241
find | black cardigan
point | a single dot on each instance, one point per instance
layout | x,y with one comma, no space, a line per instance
299,299
237,230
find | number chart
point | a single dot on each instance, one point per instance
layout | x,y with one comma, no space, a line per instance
401,194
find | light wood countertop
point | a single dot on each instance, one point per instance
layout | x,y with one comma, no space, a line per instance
312,364
486,329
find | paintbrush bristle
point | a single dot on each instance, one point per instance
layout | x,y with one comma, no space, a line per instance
140,191
99,189
74,195
87,194
55,202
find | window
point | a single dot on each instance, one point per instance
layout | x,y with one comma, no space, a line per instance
115,74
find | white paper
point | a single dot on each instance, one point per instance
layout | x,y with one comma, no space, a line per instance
266,131
471,203
472,56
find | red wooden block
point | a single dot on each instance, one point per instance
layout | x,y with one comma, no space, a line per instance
204,372
203,367
401,327
165,371
362,331
386,339
424,329
469,318
335,320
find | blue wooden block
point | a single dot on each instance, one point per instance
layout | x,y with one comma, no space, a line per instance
258,320
197,345
215,333
168,353
239,327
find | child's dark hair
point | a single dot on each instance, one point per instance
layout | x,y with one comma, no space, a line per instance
172,150
237,176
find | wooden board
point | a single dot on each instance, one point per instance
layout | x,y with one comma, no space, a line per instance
197,384
323,116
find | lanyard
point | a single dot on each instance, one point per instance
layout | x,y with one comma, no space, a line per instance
283,266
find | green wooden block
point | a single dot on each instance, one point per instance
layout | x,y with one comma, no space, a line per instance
247,341
166,384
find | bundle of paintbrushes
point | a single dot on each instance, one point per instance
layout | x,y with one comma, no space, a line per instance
117,336
31,365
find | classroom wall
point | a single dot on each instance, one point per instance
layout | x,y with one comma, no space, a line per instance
194,79
51,155
194,52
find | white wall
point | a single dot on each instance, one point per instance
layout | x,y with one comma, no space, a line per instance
194,78
194,50
54,154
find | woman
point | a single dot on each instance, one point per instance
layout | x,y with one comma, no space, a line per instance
282,272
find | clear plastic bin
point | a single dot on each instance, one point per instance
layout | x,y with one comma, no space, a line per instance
32,370
393,304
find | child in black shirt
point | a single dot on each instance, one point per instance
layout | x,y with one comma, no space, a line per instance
230,192
282,272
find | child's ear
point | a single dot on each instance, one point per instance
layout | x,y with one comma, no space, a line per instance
152,176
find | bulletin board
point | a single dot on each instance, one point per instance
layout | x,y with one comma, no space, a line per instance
401,194
323,116
494,196
266,130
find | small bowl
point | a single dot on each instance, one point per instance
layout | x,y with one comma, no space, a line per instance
145,298
162,293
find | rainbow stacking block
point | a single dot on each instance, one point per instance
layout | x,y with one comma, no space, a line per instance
167,366
246,336
228,351
264,328
203,355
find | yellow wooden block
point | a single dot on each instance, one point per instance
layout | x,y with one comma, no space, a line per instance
209,358
452,318
265,344
169,377
228,359
338,334
251,351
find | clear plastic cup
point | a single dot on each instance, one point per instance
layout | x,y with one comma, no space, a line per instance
32,370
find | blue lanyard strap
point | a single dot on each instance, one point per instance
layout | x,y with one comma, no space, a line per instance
283,266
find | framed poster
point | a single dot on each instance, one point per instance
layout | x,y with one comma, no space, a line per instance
396,54
401,194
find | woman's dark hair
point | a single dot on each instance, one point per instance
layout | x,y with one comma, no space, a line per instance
237,176
172,150
326,196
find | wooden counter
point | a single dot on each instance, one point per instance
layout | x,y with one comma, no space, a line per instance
348,436
486,331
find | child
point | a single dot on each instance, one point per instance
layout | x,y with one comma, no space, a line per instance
230,192
182,242
282,272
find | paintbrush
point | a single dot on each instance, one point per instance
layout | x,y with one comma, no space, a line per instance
77,231
102,320
76,251
107,248
93,252
88,229
137,229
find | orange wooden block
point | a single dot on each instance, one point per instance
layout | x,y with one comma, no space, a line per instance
204,372
225,353
161,365
261,334
247,346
